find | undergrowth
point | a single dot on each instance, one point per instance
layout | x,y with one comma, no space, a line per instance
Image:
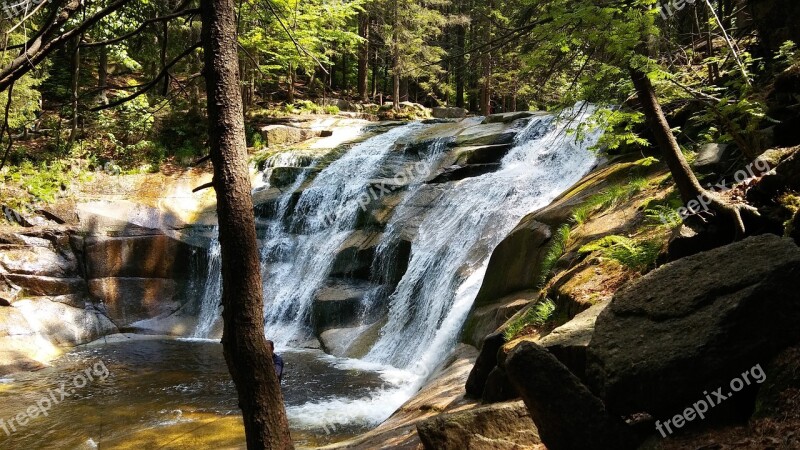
555,250
637,255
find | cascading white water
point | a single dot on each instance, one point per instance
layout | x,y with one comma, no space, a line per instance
470,219
212,291
449,257
210,306
323,219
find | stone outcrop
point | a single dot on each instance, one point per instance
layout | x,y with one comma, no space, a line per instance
566,413
442,112
695,324
507,272
568,343
275,135
502,426
338,305
488,134
510,116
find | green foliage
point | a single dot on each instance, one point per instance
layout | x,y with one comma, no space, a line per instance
635,255
536,316
44,182
556,249
663,212
787,54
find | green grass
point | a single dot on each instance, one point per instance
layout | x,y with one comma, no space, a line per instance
538,315
555,250
638,255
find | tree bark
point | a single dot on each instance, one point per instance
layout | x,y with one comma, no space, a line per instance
247,355
102,75
76,79
164,48
688,185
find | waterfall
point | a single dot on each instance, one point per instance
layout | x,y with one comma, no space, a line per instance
456,237
325,215
212,291
455,228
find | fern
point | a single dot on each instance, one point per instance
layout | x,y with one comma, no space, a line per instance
537,316
556,249
636,255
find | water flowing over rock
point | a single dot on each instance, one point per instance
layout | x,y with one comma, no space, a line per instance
378,259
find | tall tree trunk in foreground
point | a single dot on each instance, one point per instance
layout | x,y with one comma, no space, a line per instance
246,352
688,186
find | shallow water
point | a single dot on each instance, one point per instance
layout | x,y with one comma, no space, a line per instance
173,394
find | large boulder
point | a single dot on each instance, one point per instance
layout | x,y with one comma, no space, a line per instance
502,426
275,135
35,285
484,364
514,265
21,346
566,413
64,325
38,260
694,325
568,343
443,112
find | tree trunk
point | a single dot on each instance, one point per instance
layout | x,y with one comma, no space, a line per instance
460,63
76,78
363,55
247,355
164,48
688,186
102,75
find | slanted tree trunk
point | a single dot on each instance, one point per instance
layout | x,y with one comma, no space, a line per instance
247,355
688,185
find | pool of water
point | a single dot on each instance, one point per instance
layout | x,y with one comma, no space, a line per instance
176,394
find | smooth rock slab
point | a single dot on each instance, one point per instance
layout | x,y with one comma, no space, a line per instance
502,426
130,300
694,325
